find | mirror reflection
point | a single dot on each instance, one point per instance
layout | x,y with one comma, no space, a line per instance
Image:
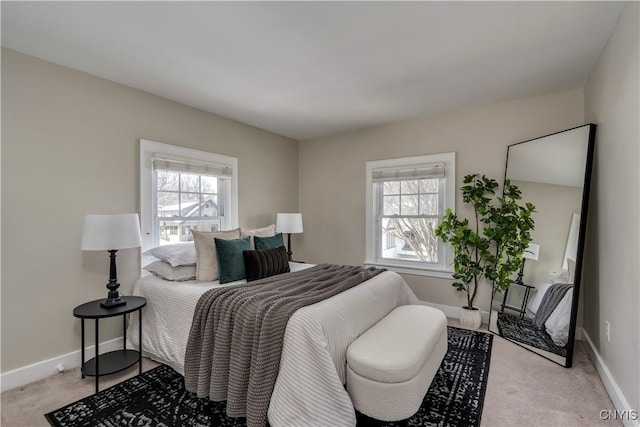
539,309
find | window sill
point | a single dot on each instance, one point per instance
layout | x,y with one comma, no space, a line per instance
415,271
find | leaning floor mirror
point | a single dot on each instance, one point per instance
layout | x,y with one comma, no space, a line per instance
539,310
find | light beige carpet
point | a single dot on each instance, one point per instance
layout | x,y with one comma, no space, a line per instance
523,390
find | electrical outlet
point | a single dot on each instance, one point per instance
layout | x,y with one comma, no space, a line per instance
607,330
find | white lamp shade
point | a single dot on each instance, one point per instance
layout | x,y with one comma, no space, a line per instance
289,223
109,232
532,252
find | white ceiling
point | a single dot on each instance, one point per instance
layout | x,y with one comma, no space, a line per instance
309,69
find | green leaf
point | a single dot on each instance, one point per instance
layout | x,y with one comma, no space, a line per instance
492,246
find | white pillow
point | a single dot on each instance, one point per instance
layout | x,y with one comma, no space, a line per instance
560,276
268,231
557,325
175,254
206,253
166,271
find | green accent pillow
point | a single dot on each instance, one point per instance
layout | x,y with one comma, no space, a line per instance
230,258
273,242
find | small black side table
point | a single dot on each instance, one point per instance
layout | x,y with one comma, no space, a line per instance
522,310
113,361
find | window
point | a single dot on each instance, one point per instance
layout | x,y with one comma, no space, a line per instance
184,189
406,198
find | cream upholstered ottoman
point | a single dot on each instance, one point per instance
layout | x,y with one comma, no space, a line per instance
390,367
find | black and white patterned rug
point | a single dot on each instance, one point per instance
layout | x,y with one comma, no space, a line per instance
456,395
158,397
526,332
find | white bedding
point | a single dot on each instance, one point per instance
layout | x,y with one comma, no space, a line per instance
168,314
557,325
309,390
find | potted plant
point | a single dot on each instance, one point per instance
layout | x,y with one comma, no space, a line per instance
491,247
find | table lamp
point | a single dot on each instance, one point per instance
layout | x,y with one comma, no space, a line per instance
111,233
531,253
289,223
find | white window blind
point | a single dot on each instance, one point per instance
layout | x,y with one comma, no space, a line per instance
173,165
435,170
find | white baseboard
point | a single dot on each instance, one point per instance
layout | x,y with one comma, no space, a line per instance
46,368
617,397
454,311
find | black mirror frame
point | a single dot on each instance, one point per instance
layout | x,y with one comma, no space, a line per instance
586,190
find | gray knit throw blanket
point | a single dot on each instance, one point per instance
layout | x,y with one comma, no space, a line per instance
549,302
236,337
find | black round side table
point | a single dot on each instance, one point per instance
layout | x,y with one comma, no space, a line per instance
113,361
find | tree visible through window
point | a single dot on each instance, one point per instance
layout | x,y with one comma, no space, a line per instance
406,197
410,214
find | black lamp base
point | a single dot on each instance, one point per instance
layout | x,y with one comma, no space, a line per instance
289,253
113,297
110,303
520,273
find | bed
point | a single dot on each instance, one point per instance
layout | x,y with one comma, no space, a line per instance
557,324
309,389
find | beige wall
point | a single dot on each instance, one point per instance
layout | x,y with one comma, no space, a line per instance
611,285
555,206
332,171
70,146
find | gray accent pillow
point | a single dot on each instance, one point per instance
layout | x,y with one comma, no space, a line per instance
166,271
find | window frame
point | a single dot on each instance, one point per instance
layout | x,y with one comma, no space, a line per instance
148,190
373,226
